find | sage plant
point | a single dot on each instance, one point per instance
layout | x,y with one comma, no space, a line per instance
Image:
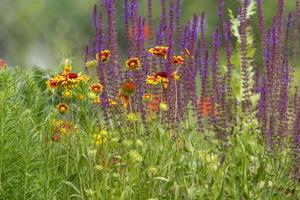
163,63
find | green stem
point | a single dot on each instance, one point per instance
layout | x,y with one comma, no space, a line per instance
130,106
176,101
161,101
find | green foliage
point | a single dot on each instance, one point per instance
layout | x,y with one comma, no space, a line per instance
131,163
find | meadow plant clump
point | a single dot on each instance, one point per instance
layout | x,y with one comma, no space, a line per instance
174,118
166,62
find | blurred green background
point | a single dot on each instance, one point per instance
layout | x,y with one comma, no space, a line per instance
43,32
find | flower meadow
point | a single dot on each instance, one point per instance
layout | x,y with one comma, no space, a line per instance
181,114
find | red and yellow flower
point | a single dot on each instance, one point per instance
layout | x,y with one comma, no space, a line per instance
52,84
103,55
133,63
66,80
147,97
177,60
160,51
62,108
152,80
157,78
96,88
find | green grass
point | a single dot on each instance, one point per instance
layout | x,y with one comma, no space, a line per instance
134,162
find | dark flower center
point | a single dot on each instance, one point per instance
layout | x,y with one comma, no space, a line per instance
72,76
161,74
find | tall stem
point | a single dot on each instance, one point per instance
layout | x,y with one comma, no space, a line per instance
161,101
176,101
130,106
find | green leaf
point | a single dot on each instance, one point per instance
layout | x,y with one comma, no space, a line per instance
161,179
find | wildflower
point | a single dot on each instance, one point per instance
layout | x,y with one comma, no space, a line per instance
160,51
163,78
163,106
3,64
67,69
67,66
66,80
81,97
157,78
152,80
152,171
72,75
100,138
132,117
135,156
175,76
91,63
186,53
177,60
63,127
96,100
133,63
103,55
112,102
56,138
124,99
52,84
147,97
67,94
92,95
128,88
96,88
62,108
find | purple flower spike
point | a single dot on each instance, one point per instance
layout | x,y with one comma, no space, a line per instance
244,59
296,29
213,102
